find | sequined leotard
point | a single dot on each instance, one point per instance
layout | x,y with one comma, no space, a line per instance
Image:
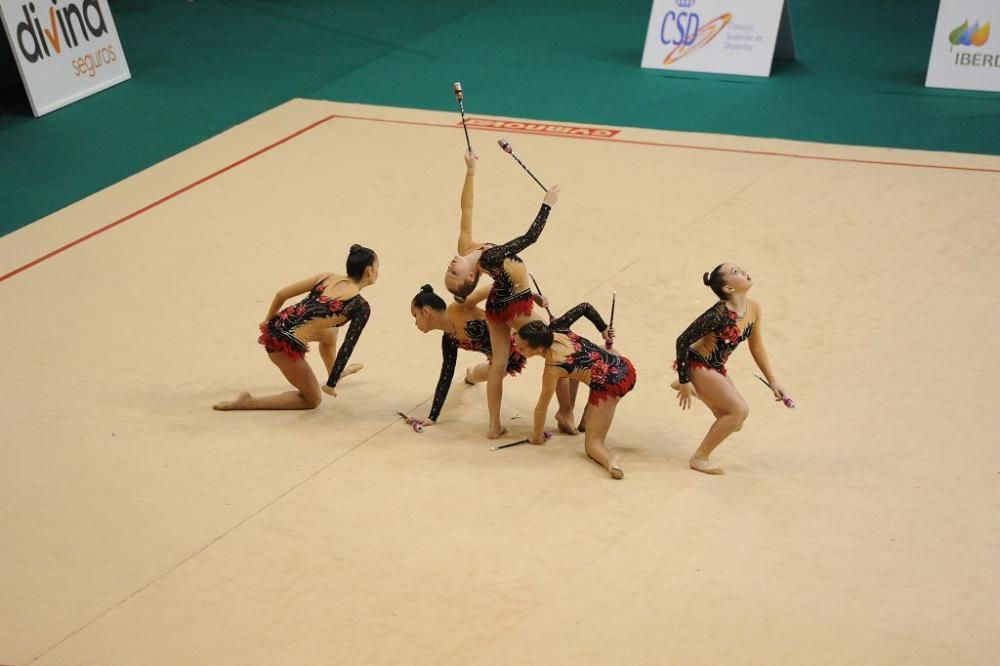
279,333
712,337
510,295
471,333
608,375
563,322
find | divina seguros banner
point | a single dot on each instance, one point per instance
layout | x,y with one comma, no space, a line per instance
64,49
964,54
718,36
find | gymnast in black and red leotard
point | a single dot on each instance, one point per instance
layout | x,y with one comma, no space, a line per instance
331,301
703,349
509,304
608,374
464,326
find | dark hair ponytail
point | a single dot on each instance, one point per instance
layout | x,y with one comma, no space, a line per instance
427,298
536,334
716,280
358,259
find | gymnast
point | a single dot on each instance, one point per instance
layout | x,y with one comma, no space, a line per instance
608,374
509,303
562,324
702,351
332,301
463,325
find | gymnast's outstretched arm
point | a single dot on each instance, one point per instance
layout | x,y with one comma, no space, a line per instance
759,353
359,312
550,379
449,357
496,254
465,242
582,310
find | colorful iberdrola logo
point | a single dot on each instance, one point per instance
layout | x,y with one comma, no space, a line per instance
963,35
684,31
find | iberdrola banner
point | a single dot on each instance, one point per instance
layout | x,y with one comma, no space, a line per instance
964,54
64,49
718,36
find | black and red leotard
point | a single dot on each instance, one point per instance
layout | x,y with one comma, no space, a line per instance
278,334
510,295
608,375
472,335
712,337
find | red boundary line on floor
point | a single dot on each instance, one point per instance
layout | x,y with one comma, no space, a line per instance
307,128
168,197
683,146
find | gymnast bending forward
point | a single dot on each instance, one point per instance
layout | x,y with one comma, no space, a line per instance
331,301
703,349
510,300
464,326
562,324
608,374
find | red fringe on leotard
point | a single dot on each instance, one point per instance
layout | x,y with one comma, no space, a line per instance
515,309
618,389
273,344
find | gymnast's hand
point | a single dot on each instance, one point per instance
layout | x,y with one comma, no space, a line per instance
470,160
552,196
541,300
329,390
609,335
684,394
779,393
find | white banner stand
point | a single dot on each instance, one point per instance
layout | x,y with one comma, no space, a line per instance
718,36
964,54
64,50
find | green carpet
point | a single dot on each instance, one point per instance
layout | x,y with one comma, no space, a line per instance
201,67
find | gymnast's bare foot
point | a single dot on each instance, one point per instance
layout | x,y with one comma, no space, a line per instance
495,433
702,465
238,403
351,369
614,468
565,423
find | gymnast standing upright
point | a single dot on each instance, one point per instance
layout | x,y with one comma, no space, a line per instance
702,351
510,300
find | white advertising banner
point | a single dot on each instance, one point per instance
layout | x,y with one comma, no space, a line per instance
64,49
717,36
963,55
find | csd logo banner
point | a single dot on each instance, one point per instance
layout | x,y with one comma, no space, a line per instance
966,53
64,49
718,36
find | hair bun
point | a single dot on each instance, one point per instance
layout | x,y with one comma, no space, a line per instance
356,248
427,289
707,279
